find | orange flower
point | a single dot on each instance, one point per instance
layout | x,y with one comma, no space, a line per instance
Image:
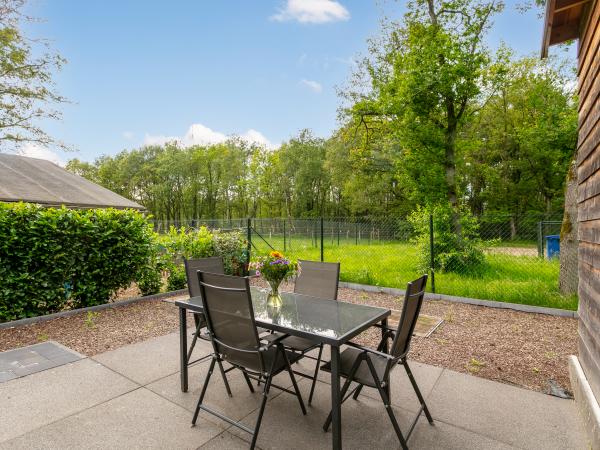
276,254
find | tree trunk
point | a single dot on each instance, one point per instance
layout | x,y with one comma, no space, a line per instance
450,169
568,279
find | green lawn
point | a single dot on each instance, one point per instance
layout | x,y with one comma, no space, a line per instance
506,277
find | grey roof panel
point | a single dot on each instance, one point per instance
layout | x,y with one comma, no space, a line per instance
39,181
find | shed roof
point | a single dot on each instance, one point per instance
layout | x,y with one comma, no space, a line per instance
39,181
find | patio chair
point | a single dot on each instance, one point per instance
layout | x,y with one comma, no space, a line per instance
317,279
232,329
372,368
213,264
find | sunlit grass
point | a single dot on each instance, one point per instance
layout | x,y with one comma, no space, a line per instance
506,277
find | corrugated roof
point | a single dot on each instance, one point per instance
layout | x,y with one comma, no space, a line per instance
39,181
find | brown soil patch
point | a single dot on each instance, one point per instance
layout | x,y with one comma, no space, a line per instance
502,345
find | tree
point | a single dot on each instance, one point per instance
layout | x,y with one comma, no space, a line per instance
27,94
522,139
424,78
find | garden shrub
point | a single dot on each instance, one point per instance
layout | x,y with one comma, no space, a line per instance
201,243
53,259
453,252
177,278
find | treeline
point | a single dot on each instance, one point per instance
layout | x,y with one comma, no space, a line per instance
430,117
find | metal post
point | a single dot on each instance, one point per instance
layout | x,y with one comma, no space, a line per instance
322,259
249,237
431,253
540,240
356,233
284,243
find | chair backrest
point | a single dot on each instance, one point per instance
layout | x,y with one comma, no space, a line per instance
229,315
214,264
413,299
318,279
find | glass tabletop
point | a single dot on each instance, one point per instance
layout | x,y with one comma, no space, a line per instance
328,321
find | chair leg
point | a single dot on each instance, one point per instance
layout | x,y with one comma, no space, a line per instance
208,375
355,366
388,406
314,381
293,378
261,411
417,391
248,382
195,338
357,392
224,375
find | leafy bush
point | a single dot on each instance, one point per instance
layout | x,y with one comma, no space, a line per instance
231,246
453,252
52,259
177,278
201,243
187,243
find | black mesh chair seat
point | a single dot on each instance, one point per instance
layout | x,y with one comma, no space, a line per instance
280,364
363,374
296,343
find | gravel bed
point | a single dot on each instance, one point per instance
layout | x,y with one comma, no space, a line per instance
513,347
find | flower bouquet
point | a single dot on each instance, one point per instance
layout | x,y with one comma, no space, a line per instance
275,268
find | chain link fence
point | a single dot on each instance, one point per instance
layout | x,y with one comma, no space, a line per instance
518,258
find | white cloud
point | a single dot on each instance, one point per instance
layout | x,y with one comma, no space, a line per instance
312,11
198,134
37,151
314,86
129,135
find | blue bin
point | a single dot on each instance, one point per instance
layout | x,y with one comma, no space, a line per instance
552,246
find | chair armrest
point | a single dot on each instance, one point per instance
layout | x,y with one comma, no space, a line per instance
370,350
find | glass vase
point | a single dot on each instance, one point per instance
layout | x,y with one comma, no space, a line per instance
273,297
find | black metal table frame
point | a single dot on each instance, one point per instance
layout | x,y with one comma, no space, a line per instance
335,344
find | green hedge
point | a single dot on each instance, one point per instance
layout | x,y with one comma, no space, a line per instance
55,259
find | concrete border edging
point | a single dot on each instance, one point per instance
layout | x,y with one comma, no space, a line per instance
470,301
72,312
586,402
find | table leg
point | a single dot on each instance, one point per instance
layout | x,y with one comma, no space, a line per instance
384,324
336,406
183,360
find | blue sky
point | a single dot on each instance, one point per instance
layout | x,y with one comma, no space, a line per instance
145,71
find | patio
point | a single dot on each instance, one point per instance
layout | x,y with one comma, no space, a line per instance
131,398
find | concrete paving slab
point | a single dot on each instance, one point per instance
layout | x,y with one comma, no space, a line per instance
27,360
447,437
516,416
241,404
226,441
44,397
402,392
148,361
364,423
137,420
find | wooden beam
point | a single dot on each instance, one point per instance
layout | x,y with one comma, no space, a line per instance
548,19
564,33
563,6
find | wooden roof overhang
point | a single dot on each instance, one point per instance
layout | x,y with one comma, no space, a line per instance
562,22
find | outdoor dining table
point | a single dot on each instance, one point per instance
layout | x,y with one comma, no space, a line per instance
330,322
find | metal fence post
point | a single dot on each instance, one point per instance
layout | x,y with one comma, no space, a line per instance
322,255
249,237
431,253
284,243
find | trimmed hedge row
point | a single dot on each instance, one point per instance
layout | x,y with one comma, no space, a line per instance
54,259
